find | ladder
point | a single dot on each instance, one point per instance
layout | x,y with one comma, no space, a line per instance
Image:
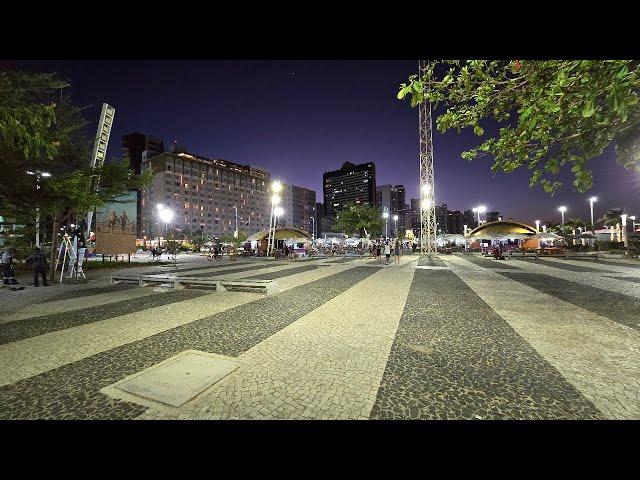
71,256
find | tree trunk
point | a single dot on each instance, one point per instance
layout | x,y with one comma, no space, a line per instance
54,245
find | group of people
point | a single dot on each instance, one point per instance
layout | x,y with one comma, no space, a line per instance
38,260
388,247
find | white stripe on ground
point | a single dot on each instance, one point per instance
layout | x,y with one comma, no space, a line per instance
70,304
326,365
35,355
598,356
591,279
605,268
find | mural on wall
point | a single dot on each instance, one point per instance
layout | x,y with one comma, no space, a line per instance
116,225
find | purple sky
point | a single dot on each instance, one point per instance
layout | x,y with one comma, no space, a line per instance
301,118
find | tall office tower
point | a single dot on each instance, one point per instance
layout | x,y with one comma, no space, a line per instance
455,222
441,219
391,199
470,219
398,199
137,146
299,206
319,217
492,216
202,194
350,184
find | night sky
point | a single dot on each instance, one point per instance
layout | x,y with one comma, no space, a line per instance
301,118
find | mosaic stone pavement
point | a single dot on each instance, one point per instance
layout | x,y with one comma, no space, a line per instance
458,337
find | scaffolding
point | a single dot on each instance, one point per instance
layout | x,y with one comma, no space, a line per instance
427,186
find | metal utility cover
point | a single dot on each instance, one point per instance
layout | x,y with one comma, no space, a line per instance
178,380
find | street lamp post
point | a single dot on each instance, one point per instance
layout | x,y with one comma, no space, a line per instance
625,237
385,215
562,210
38,174
235,234
633,224
591,200
166,215
276,186
480,209
537,226
395,219
313,229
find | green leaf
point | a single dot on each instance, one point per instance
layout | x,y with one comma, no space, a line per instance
478,130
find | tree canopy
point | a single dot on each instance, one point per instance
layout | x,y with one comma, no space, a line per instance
41,130
361,219
550,113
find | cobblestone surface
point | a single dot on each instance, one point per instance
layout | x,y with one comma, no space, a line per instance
612,263
430,262
618,307
85,292
455,358
628,279
326,365
21,329
72,391
489,262
598,356
564,265
283,273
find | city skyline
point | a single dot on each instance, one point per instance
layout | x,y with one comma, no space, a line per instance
299,119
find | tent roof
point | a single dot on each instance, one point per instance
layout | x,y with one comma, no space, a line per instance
282,233
501,228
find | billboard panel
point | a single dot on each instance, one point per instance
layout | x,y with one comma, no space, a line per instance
116,225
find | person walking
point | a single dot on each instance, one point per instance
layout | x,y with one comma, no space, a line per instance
39,261
397,252
387,251
379,252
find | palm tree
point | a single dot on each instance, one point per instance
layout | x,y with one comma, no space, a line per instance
612,216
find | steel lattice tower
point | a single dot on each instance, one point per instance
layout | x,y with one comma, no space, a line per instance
427,185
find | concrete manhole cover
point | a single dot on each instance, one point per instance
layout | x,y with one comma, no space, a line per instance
179,379
421,348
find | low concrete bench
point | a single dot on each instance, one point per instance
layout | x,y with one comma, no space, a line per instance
268,287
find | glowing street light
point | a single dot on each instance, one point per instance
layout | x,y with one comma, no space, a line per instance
235,233
537,226
562,210
395,219
165,215
385,215
38,174
276,186
591,200
480,209
624,229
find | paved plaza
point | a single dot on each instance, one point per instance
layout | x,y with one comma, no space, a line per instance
457,337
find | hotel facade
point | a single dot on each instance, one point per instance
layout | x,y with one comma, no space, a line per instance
202,194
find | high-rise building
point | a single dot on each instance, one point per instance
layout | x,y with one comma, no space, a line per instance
455,223
299,206
203,194
469,218
137,146
350,184
441,219
391,199
493,216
